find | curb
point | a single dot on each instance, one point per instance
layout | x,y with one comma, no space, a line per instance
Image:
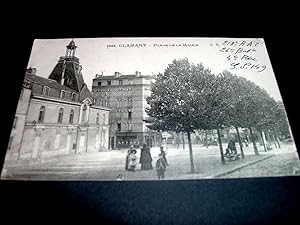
239,167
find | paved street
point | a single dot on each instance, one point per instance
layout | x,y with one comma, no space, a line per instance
108,165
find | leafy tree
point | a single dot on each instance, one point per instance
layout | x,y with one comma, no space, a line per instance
218,103
175,102
234,114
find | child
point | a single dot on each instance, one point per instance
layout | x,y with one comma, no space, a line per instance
161,166
164,154
127,157
132,160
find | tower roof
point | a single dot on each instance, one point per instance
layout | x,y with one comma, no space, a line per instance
71,45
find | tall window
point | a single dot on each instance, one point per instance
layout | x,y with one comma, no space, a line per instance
10,142
21,94
15,122
119,103
104,122
129,103
108,101
41,114
62,94
97,119
129,126
120,82
129,115
108,82
46,90
99,83
119,126
60,115
71,116
83,113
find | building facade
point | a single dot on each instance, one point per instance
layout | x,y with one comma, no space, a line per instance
126,96
58,115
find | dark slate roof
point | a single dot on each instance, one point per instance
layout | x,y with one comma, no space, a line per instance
85,93
73,78
47,82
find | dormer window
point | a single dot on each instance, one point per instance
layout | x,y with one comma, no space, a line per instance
46,90
62,94
73,96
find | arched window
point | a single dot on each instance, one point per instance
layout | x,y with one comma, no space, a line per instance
71,116
97,119
62,94
41,114
60,115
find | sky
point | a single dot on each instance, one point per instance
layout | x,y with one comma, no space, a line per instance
152,56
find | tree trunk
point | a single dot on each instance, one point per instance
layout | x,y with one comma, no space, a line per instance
191,153
221,148
253,141
167,143
276,138
240,142
273,139
263,141
269,143
206,143
183,142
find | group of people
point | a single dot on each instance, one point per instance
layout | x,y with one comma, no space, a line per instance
146,160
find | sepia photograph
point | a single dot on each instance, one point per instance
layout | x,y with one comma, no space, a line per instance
137,109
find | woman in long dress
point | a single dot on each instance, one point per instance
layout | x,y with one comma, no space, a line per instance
146,158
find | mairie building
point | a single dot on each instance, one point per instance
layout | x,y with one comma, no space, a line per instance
58,115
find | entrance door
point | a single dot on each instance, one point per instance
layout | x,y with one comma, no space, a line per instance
112,142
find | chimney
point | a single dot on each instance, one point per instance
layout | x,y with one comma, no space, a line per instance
117,74
137,73
31,71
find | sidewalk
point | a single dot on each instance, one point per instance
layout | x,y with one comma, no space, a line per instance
108,165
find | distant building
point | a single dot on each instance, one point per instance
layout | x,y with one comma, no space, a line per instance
126,96
58,115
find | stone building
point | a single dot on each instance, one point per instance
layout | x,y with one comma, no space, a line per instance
126,96
58,115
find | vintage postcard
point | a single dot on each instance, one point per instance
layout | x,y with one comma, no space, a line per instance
122,109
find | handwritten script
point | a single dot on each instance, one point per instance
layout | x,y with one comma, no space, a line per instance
241,54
